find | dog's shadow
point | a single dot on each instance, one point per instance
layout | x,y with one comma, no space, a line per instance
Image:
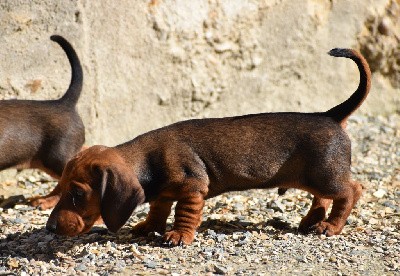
271,226
40,245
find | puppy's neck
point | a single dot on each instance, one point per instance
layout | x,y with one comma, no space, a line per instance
143,170
149,185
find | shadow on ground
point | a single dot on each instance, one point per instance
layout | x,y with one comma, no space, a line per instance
40,245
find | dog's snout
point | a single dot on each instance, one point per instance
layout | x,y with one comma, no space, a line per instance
51,227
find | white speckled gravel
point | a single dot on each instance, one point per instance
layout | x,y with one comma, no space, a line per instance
246,233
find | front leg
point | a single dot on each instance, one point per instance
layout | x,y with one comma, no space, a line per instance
188,214
156,220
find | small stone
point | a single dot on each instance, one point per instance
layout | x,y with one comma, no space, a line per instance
220,269
211,233
19,220
80,267
13,263
379,193
244,241
238,207
236,235
141,214
150,264
373,221
221,237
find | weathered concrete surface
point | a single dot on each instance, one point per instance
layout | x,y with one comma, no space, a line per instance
151,63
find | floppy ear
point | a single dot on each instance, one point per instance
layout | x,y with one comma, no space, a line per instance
121,193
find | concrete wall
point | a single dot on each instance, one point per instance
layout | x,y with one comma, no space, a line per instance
151,63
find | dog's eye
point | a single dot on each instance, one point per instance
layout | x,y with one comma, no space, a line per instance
79,193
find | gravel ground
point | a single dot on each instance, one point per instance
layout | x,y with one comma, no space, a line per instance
252,232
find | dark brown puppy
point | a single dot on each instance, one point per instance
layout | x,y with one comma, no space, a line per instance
193,160
43,134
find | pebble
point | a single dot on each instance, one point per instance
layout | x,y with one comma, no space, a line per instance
220,269
379,193
80,267
150,264
221,237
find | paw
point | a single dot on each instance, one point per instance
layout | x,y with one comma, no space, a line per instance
144,228
309,223
328,229
178,237
311,220
43,203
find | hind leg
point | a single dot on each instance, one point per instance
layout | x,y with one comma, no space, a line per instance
341,209
316,214
52,160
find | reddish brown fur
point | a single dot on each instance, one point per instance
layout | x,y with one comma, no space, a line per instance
43,134
193,160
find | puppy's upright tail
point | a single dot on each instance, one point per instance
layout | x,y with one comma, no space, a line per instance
341,112
71,97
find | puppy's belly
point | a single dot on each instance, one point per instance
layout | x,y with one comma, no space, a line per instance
288,174
242,184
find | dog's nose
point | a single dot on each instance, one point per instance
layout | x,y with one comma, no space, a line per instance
51,227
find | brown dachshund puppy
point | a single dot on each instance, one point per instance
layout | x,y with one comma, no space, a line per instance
43,134
193,160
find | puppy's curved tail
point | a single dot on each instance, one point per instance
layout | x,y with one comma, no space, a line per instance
70,98
341,112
